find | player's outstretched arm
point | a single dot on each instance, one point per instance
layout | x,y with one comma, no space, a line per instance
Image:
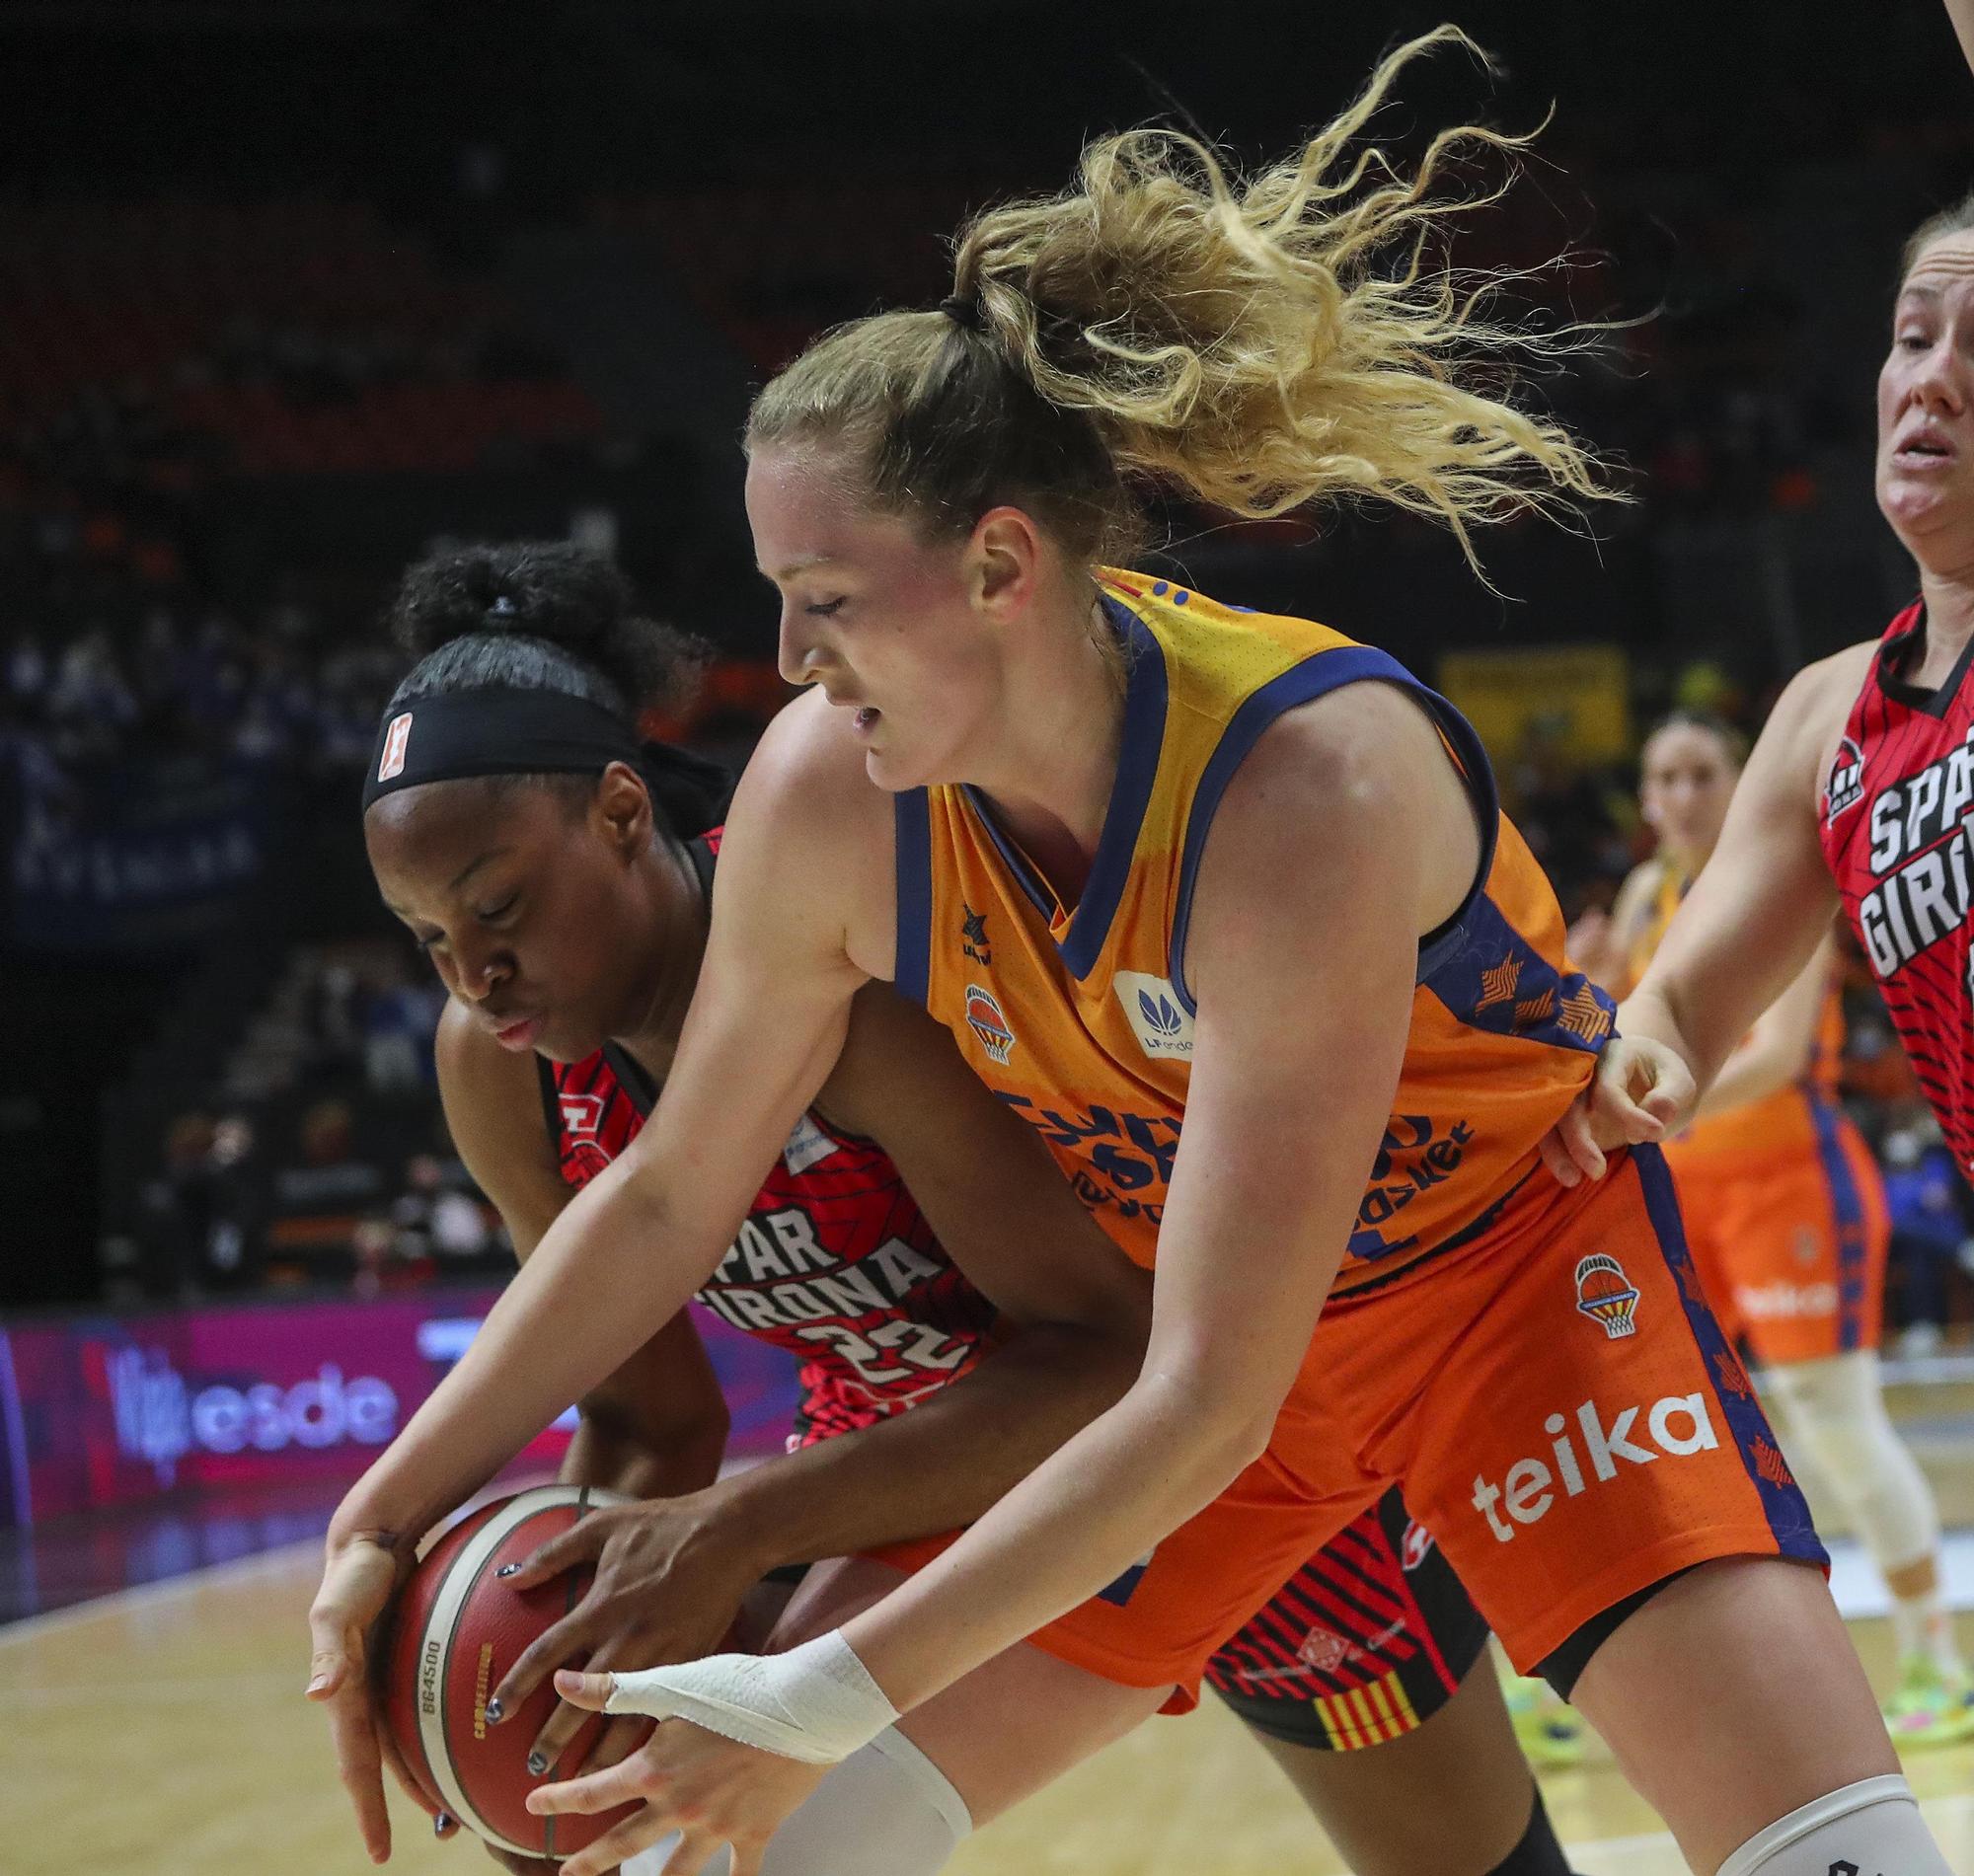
657,1425
1075,1314
1781,1046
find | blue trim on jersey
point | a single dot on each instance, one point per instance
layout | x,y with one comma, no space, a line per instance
1846,1205
1143,735
1496,981
1143,742
1317,675
911,968
1782,1503
1478,773
1012,857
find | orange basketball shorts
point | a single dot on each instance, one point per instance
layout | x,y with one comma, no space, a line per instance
1791,1244
1554,1396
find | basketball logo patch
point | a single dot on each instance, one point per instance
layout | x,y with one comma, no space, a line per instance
1605,1295
985,1019
1846,788
396,739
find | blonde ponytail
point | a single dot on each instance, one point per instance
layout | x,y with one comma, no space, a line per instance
1166,320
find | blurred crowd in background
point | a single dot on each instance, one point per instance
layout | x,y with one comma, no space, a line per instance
232,407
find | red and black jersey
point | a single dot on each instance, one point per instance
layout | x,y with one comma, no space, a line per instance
834,1263
1896,815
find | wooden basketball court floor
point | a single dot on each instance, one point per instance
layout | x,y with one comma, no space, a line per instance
162,1730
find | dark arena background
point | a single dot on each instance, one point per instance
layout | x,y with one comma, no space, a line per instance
292,292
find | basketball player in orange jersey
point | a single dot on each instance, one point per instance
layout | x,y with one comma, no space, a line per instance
1786,1215
1232,874
594,932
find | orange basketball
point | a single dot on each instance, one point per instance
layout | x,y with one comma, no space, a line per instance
454,1629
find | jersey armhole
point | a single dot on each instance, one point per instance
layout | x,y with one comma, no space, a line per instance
1316,676
545,1076
911,968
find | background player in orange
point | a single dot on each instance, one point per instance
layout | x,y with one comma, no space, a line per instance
1786,1213
1366,1647
1349,989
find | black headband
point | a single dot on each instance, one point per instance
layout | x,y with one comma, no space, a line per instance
495,731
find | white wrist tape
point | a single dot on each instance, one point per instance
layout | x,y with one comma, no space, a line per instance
816,1702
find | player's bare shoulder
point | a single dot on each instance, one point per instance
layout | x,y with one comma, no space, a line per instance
1806,725
810,828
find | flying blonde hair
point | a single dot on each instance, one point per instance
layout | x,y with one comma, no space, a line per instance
1247,342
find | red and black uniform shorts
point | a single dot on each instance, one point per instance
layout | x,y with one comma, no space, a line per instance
1366,1641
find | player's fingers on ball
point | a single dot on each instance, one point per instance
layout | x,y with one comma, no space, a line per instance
570,1637
617,1742
357,1765
394,1763
580,1544
593,1792
592,1690
748,1859
616,1848
336,1646
554,1738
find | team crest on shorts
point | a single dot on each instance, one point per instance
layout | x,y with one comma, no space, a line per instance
1325,1650
1605,1295
396,739
1846,788
985,1019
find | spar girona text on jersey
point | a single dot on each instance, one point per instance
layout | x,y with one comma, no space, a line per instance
834,1263
1897,815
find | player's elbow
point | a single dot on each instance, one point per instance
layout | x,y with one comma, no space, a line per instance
1215,1422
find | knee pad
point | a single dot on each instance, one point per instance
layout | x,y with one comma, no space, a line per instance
1836,1409
885,1811
1872,1827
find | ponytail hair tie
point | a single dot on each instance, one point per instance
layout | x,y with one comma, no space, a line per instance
966,313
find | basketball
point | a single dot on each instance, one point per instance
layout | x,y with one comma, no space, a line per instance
453,1631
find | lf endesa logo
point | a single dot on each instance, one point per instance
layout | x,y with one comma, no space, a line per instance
159,1419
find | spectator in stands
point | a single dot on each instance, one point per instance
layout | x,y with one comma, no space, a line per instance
399,1019
335,1028
434,1222
330,1179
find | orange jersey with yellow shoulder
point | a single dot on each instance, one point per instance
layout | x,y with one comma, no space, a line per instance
1785,1121
1081,1019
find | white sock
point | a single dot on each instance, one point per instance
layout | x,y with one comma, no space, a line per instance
1872,1827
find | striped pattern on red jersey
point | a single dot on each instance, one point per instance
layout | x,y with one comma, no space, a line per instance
1348,1620
1895,819
834,1263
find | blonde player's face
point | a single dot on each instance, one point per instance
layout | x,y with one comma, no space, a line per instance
879,617
1686,781
1925,409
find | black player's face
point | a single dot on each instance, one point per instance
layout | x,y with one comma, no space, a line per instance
887,623
1686,781
1925,409
534,913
